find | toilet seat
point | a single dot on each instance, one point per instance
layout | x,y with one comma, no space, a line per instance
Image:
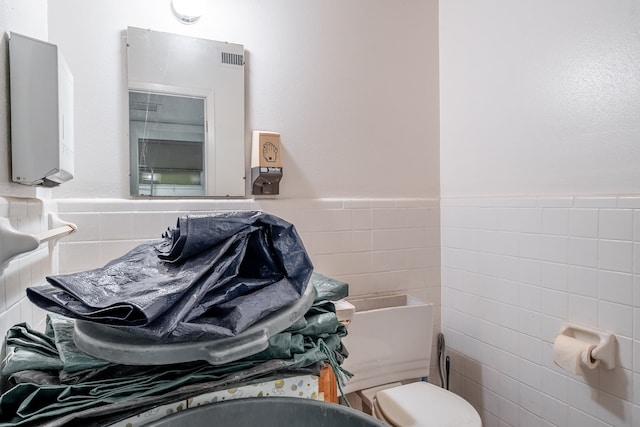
421,404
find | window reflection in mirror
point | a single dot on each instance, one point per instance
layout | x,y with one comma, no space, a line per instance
169,133
186,115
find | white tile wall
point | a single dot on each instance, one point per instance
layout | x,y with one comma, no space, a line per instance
378,246
575,258
27,216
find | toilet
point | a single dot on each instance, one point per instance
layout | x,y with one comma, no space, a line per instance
389,343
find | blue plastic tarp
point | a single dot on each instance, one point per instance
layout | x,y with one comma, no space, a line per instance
211,276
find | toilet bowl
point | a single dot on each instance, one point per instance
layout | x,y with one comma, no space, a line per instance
421,404
389,343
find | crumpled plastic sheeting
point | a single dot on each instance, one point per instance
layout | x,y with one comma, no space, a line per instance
32,350
306,343
328,288
72,360
212,276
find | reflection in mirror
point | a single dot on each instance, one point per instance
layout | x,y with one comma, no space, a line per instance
186,115
169,133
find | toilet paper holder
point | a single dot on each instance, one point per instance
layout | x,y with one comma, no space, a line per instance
604,341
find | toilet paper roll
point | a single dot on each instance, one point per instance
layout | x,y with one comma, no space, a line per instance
573,355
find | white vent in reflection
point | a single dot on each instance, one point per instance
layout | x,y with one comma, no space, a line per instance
232,58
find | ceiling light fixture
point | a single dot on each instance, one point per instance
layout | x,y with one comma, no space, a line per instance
188,11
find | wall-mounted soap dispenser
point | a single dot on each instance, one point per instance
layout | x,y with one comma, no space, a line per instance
266,163
41,113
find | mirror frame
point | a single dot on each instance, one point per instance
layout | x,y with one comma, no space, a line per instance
173,64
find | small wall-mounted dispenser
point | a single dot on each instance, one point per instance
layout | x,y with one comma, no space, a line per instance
41,113
266,163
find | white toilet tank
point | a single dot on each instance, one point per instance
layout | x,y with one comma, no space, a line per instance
389,339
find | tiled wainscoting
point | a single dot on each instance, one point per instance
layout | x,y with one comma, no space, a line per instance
25,215
378,246
512,271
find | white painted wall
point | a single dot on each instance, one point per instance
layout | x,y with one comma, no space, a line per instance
539,97
351,86
540,106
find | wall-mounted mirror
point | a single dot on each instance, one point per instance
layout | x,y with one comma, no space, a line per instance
186,115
